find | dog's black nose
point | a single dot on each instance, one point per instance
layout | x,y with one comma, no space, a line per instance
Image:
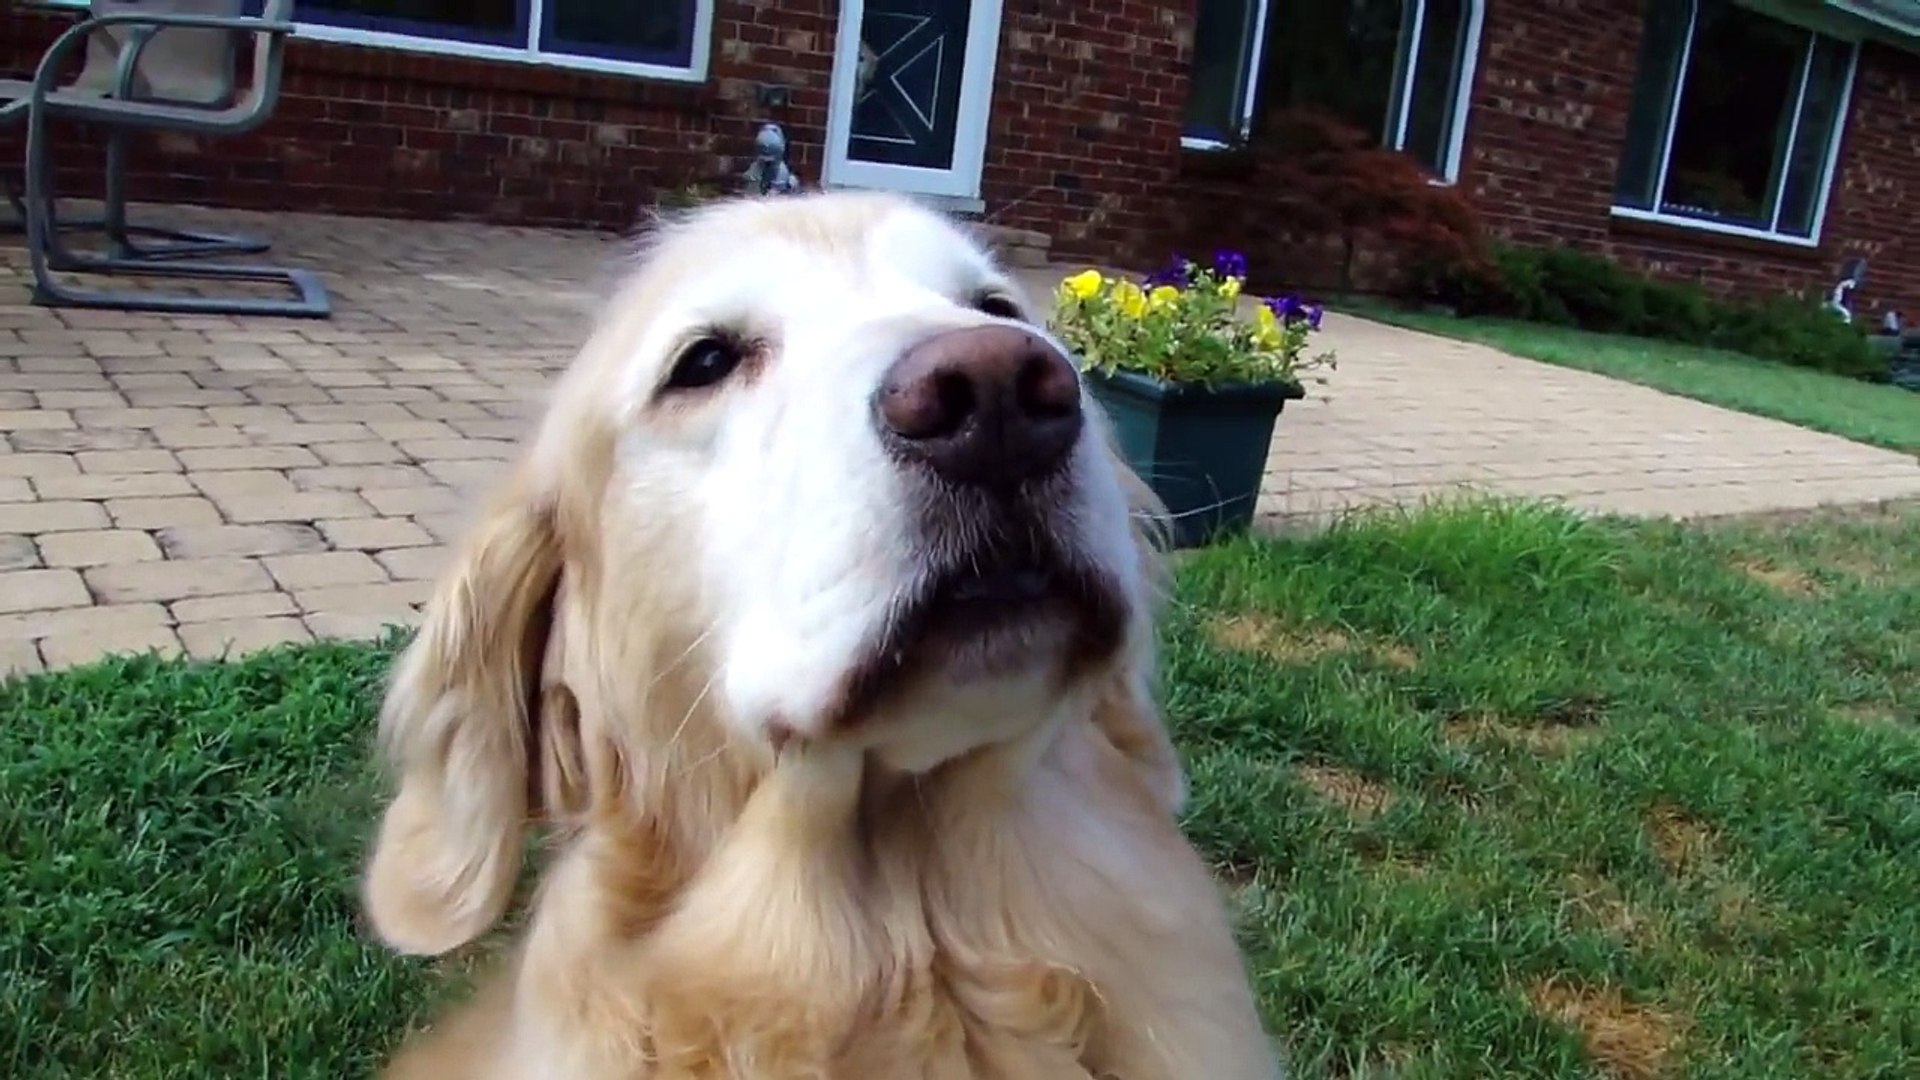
987,405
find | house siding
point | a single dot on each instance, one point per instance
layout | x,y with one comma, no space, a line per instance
1083,141
1549,122
1546,126
366,130
1079,89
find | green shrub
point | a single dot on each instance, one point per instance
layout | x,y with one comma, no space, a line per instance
1796,331
1600,294
1575,288
1520,289
1678,312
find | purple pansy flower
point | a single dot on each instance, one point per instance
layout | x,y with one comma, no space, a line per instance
1229,263
1291,308
1178,273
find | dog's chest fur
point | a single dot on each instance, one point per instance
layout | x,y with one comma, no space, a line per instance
925,938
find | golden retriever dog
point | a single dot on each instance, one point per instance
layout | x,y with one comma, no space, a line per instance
813,628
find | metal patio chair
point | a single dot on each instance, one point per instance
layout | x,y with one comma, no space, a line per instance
161,74
172,71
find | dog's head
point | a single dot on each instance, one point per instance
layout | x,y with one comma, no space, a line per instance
826,448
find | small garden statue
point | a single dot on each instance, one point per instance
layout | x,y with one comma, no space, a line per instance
1192,383
769,174
1851,275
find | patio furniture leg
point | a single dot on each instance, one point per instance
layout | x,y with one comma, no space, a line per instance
181,243
43,243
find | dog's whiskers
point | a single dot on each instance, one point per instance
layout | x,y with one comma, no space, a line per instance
692,707
673,664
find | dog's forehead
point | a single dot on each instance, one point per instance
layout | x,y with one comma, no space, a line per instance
798,256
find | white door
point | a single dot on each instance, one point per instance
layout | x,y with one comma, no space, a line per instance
912,84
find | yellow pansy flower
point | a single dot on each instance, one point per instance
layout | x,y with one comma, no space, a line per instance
1133,302
1084,284
1266,328
1162,295
1230,287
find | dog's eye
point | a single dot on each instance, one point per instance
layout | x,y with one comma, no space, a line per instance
997,306
704,363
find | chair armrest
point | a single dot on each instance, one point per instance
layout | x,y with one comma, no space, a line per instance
128,62
73,37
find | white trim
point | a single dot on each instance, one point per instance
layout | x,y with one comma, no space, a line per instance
962,178
1400,113
1722,228
1824,189
1829,17
536,11
1463,94
531,53
1409,75
1793,132
1906,29
1254,55
1462,108
1673,107
1834,139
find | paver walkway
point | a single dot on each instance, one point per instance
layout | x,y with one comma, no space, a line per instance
213,483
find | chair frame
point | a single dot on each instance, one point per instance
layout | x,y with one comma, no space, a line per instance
120,114
181,243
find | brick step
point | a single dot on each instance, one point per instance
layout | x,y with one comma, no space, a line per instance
1022,248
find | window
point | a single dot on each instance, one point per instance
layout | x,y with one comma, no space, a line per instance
665,38
1397,68
1735,121
1226,58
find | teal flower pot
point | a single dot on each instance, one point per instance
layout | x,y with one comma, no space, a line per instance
1203,450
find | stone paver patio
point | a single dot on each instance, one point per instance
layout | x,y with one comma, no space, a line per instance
205,483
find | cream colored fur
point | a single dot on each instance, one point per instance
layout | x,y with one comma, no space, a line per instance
1027,908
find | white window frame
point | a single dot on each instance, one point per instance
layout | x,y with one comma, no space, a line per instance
1402,95
1251,74
531,54
960,180
1828,168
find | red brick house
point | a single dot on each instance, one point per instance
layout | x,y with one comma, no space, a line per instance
1750,144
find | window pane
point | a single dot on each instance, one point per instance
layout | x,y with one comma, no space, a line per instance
494,22
913,57
656,31
1730,137
1222,40
1663,37
1820,120
1436,83
1337,56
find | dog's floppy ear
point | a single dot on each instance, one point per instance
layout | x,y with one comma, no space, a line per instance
1126,711
458,729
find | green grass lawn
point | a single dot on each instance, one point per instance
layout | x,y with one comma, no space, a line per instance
1499,791
1879,414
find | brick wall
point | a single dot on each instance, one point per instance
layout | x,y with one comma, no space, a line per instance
1548,122
1876,203
1084,140
1079,88
377,131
